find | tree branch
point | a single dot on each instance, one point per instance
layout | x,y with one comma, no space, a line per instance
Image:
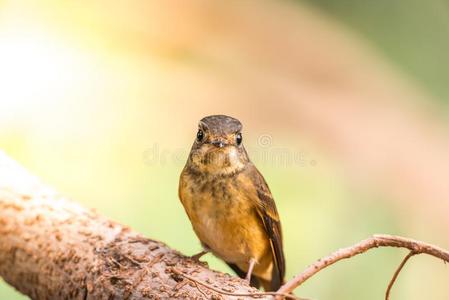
378,240
51,248
223,292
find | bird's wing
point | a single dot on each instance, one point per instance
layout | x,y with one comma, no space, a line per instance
260,194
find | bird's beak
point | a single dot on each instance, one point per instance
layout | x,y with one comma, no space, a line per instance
219,144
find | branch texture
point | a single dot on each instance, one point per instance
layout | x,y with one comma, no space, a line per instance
51,248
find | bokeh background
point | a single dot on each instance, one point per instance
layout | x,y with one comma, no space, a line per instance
344,105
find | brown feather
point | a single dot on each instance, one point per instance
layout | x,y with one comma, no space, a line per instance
266,209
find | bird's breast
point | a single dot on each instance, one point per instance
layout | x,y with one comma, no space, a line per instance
223,218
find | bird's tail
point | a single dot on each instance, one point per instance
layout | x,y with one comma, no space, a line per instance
270,285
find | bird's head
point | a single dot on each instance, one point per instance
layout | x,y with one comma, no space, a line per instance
218,147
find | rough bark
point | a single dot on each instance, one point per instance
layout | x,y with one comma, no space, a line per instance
51,248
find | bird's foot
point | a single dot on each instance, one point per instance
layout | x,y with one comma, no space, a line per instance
196,257
252,262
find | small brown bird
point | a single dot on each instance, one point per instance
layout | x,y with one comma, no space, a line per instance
230,205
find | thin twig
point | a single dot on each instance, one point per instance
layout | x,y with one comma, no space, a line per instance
396,274
199,289
220,291
379,240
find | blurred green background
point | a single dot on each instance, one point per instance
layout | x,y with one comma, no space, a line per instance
413,35
343,105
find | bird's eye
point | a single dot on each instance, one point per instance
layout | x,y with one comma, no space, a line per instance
238,138
199,135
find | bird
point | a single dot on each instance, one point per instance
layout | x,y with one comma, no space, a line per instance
230,205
